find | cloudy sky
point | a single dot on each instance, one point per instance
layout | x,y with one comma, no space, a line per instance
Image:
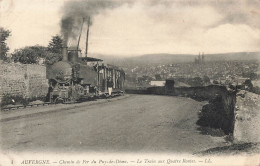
143,26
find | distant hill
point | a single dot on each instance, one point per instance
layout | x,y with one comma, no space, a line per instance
175,58
234,56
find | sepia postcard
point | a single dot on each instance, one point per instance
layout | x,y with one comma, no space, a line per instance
129,82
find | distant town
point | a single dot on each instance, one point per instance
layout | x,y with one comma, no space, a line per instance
200,72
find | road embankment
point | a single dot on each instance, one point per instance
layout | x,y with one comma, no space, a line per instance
247,117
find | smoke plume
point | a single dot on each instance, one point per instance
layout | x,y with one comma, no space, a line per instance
74,12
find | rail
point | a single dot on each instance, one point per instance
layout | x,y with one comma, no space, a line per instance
14,107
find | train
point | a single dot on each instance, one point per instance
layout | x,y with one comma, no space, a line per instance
77,78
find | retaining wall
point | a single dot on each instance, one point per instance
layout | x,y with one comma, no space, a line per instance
27,80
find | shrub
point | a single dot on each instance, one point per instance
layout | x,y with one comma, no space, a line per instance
256,90
213,115
9,99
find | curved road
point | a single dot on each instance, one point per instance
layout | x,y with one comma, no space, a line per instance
139,123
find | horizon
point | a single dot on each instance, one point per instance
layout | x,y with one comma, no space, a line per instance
172,54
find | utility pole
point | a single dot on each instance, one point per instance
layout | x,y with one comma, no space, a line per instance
1,44
80,34
87,37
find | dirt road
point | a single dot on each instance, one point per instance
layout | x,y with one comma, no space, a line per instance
140,123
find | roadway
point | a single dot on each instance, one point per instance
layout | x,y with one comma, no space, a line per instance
139,123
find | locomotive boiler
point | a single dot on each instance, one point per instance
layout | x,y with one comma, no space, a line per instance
79,78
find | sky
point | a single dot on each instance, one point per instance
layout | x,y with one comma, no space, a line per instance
141,27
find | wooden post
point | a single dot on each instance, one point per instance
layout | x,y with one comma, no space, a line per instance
114,78
87,37
98,78
105,79
80,34
1,44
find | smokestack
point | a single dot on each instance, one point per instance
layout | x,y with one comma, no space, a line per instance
73,11
74,54
87,37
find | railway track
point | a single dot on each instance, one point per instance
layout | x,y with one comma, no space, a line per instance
14,107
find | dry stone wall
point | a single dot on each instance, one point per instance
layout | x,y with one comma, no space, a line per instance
27,80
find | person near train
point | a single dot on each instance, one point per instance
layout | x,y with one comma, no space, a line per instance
110,85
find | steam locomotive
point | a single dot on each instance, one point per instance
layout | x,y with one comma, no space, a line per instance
79,78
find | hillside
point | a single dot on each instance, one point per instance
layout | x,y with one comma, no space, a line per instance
175,58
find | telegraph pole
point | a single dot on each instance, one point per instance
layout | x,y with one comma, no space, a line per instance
87,37
80,34
1,44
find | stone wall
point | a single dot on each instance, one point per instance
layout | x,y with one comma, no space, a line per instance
247,117
27,80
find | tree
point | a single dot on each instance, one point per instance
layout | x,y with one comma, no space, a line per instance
248,85
206,79
30,54
252,76
4,34
158,77
52,58
54,50
197,81
215,82
55,45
